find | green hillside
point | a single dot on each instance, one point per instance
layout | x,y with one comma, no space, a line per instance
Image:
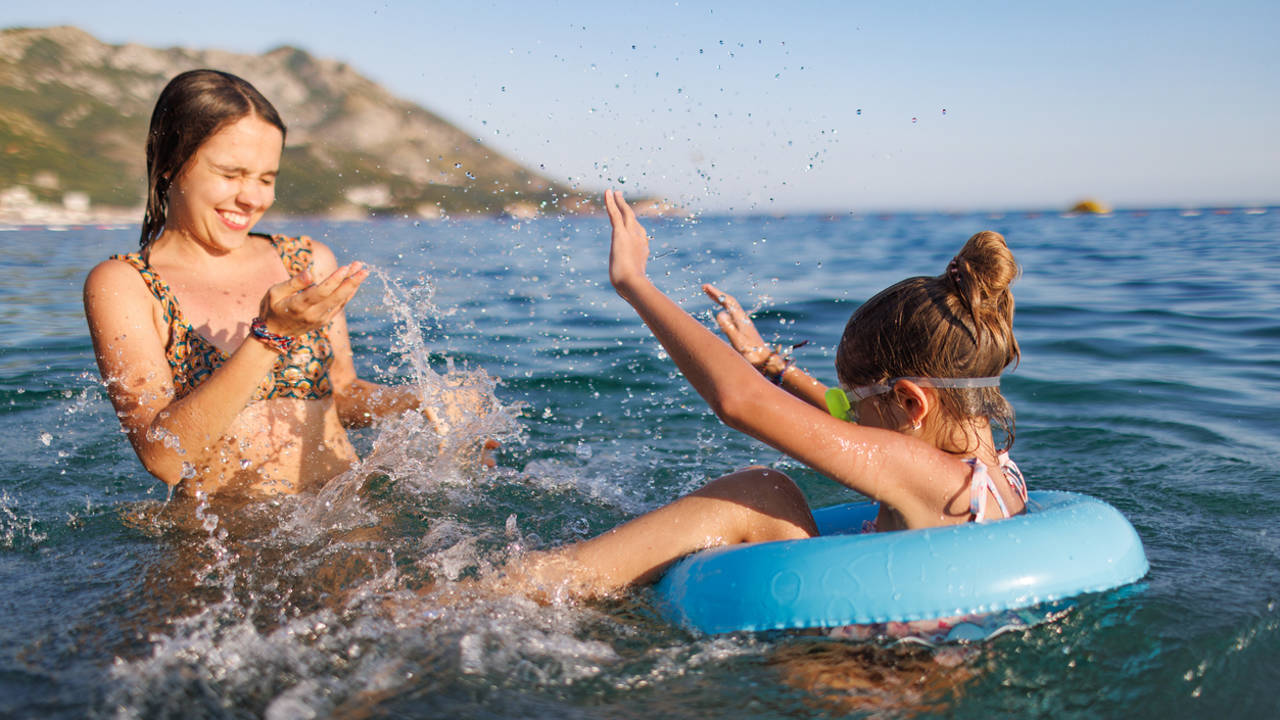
74,111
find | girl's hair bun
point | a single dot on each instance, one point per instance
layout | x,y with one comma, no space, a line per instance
980,275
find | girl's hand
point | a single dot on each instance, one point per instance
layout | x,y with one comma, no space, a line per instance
630,248
297,306
738,328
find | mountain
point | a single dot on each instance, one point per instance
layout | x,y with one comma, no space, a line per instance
74,114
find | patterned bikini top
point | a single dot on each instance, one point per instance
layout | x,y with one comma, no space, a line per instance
302,374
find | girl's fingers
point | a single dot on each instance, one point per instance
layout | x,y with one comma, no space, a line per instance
727,326
725,300
611,207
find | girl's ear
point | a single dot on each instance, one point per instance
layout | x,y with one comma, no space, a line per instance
914,400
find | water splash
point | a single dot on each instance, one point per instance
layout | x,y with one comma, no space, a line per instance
417,451
17,529
218,573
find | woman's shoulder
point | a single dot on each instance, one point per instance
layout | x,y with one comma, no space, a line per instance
116,288
115,273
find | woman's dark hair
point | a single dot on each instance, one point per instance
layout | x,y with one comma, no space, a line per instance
956,325
192,107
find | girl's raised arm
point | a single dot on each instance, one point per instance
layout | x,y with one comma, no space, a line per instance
881,464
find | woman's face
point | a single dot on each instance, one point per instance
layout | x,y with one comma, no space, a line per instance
227,185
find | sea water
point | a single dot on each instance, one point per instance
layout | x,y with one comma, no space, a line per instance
1150,378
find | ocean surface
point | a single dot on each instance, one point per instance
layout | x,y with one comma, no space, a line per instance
1150,378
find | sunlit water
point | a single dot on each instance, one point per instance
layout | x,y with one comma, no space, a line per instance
1150,378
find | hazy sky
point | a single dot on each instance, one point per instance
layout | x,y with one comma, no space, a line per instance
753,106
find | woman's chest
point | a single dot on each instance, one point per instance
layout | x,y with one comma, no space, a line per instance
221,310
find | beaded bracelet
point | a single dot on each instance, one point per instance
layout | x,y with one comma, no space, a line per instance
282,344
787,362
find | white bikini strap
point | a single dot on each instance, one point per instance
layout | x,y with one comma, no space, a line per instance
1013,475
980,484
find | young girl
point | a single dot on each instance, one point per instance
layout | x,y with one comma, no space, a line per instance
920,363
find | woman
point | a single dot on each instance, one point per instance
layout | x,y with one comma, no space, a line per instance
225,352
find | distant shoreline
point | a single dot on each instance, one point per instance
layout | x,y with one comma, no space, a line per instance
49,216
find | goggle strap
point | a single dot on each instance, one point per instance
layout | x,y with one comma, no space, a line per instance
866,391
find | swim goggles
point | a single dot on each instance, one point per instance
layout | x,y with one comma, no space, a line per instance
838,398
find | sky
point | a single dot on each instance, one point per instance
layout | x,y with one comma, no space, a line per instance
743,106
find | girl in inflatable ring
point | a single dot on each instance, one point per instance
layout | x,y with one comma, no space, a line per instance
919,364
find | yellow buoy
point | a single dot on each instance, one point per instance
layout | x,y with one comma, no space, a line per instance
1090,207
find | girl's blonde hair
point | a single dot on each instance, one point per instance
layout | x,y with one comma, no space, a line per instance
958,324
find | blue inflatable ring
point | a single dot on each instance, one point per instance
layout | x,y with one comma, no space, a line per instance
1065,545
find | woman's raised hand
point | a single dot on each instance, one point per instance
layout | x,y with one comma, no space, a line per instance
297,306
630,248
738,328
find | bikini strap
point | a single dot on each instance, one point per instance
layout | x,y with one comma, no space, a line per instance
295,252
1013,475
158,287
981,485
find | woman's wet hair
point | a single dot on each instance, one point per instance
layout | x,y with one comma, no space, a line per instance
192,107
955,325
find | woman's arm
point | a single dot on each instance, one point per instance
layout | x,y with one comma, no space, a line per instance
742,334
129,339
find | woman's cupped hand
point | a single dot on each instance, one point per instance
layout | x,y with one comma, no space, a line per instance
299,305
